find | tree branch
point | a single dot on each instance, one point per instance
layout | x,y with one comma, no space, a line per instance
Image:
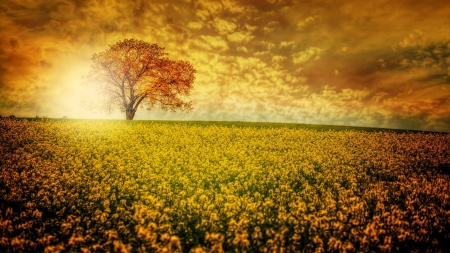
138,102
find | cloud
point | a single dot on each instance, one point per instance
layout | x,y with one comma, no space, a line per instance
250,28
278,60
311,53
242,49
212,42
286,44
239,37
206,9
271,26
432,57
223,26
195,25
378,96
234,7
269,5
308,22
414,39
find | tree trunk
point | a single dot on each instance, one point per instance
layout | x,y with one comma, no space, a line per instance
130,112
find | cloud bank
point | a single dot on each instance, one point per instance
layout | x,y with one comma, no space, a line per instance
379,64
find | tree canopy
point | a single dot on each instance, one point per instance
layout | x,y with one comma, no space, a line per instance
133,73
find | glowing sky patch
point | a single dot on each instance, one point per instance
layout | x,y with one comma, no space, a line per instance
380,64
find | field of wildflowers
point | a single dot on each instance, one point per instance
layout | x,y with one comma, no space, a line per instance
100,186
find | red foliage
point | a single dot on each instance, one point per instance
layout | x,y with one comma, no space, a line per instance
132,73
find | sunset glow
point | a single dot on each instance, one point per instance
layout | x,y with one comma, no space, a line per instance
377,64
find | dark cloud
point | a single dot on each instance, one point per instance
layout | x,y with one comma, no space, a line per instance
33,16
432,58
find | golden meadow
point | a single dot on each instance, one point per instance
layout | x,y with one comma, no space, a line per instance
110,186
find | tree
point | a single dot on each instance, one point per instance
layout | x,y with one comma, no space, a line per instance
132,73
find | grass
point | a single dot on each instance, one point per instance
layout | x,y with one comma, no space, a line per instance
242,124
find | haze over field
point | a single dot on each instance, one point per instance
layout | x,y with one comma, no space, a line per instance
377,63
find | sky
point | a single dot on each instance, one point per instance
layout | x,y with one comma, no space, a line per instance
361,63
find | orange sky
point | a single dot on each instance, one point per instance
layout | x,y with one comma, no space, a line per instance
380,63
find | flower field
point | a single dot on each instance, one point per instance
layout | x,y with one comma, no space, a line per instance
101,186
